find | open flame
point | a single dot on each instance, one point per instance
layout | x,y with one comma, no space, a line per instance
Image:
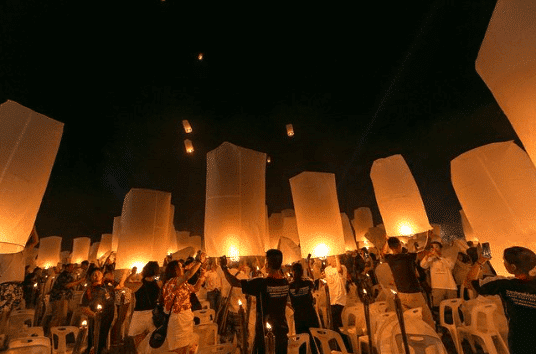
84,323
268,326
239,302
99,307
393,291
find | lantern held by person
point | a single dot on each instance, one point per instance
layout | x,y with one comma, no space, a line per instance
317,214
49,252
349,238
362,222
80,249
93,250
495,186
116,231
235,201
29,142
105,245
467,229
398,197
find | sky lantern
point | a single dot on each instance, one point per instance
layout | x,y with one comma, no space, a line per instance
317,214
49,252
172,234
115,232
183,253
290,130
200,56
467,228
29,142
93,250
188,146
349,238
507,64
105,245
144,227
398,197
362,222
290,225
235,201
184,240
275,227
291,251
495,186
187,127
81,247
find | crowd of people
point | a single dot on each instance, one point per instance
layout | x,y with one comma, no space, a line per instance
121,306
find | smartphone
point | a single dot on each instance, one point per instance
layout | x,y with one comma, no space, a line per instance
486,250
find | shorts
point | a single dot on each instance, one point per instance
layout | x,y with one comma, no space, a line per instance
141,321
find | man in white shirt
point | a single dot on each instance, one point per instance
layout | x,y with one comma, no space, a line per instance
443,283
233,319
213,285
335,276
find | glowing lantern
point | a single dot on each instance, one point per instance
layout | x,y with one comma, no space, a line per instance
65,257
467,229
93,250
362,222
116,232
376,236
495,186
172,234
187,126
200,56
317,213
183,253
398,197
29,142
235,201
189,146
290,226
144,227
105,245
507,64
275,225
290,130
268,159
291,251
184,240
349,238
49,252
80,249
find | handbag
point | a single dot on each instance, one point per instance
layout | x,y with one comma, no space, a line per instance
158,314
158,337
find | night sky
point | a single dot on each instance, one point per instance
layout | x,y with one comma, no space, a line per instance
358,82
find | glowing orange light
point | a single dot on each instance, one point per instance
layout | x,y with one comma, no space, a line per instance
186,125
290,130
200,56
189,146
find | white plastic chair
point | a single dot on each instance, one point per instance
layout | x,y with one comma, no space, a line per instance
320,310
208,334
355,312
37,345
325,337
205,316
28,332
204,304
61,333
296,341
219,349
453,305
21,318
482,329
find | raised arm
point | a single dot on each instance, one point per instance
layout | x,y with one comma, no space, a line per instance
234,281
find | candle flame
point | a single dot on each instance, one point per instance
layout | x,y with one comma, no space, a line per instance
393,291
365,291
239,302
268,326
35,285
99,307
84,323
200,56
234,255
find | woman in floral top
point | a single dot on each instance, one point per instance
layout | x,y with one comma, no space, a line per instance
177,301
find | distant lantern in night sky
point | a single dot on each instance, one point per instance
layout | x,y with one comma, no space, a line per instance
81,247
268,159
398,197
495,186
200,56
362,222
290,130
189,146
187,126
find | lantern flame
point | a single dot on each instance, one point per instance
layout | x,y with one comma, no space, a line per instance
84,323
189,146
99,307
365,291
320,251
234,255
268,326
393,291
187,127
405,230
200,56
35,285
239,302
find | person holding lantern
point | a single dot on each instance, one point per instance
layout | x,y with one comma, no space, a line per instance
335,275
272,294
443,283
237,300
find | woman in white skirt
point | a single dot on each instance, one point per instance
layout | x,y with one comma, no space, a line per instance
177,302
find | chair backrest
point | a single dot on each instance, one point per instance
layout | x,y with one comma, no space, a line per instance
30,345
21,319
482,317
453,305
325,338
208,334
289,315
61,334
348,312
219,349
378,307
414,313
296,341
205,316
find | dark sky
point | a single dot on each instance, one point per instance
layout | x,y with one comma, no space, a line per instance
357,82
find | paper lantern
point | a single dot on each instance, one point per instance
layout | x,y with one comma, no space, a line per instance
29,142
144,227
93,250
467,229
200,56
189,146
291,251
398,197
81,247
183,253
49,252
376,236
349,238
235,201
275,226
266,229
317,213
116,232
290,130
187,127
184,240
507,64
362,222
290,226
172,233
105,245
495,186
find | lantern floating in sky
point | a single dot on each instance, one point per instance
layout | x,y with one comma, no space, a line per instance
398,197
81,247
235,201
187,126
49,252
200,56
362,222
349,238
189,146
290,130
317,214
144,227
105,245
495,186
507,64
268,159
29,142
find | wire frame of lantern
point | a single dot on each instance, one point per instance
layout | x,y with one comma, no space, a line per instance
290,130
187,127
188,146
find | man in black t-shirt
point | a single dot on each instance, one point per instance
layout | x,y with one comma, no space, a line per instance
518,295
271,293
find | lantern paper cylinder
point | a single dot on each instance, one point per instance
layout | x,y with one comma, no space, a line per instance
93,250
172,235
349,238
290,130
495,186
235,201
291,251
376,236
188,146
81,247
116,232
187,126
467,229
267,229
275,225
183,253
398,197
317,213
144,227
29,142
362,222
290,228
437,234
105,244
49,252
507,64
184,240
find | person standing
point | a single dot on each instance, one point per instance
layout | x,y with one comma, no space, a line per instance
213,286
61,293
271,298
443,283
233,326
335,276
